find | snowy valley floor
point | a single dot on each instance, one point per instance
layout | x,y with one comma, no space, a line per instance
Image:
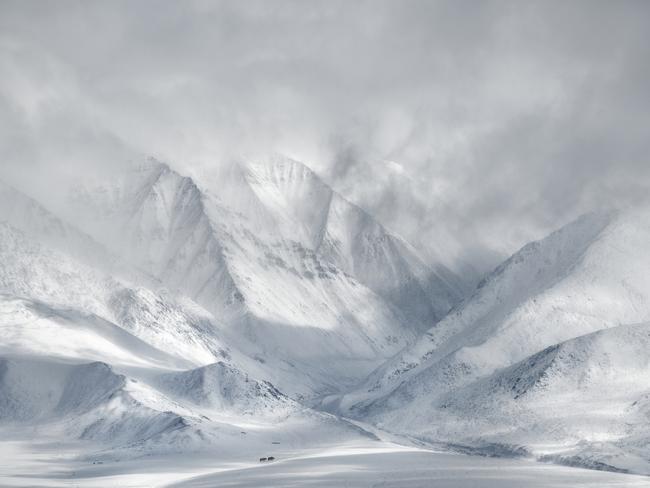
360,464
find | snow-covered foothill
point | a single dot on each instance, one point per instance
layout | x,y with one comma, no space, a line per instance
581,284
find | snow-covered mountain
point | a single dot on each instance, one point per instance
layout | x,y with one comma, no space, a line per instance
490,368
87,401
354,241
212,315
30,217
176,331
221,387
53,290
582,401
304,280
94,357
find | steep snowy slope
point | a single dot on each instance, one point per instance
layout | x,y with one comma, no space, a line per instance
583,401
30,217
87,401
119,415
63,273
306,282
350,238
46,259
52,290
34,328
585,277
156,220
227,390
30,269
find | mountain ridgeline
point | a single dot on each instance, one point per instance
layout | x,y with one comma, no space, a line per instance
282,261
255,304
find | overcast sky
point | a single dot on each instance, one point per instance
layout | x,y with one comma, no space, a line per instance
470,126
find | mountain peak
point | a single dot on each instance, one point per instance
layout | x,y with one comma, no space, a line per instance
585,277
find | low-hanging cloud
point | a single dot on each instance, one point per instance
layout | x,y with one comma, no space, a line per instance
468,127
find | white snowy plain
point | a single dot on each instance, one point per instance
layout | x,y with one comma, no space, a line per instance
368,464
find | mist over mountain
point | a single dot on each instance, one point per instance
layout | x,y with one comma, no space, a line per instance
341,243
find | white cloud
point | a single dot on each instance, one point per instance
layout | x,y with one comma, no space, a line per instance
508,117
